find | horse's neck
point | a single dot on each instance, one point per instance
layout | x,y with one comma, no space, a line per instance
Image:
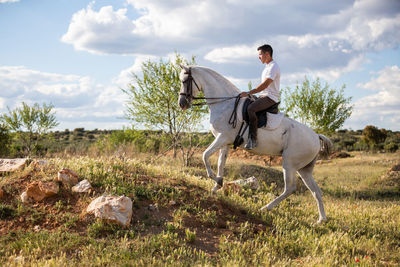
215,85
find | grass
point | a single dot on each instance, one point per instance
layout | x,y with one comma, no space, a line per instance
192,227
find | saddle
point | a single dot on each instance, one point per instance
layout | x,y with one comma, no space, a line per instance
261,115
261,119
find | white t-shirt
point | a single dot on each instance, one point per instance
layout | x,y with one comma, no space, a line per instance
272,72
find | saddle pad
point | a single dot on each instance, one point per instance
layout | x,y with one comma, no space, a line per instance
273,120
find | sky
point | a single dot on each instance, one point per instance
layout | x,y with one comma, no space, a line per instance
78,54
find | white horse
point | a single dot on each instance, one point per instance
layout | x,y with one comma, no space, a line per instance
298,145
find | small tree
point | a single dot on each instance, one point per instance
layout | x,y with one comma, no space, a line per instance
29,123
323,109
373,136
153,100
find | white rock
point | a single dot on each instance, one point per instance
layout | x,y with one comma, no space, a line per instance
82,187
25,198
251,182
67,177
112,208
11,165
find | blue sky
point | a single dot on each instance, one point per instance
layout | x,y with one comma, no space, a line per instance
78,54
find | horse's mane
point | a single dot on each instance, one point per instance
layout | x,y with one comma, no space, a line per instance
224,82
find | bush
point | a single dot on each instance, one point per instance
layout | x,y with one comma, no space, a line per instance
391,147
374,136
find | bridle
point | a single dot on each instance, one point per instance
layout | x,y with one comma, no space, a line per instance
189,86
189,92
189,96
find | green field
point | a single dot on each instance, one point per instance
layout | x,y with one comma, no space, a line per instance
193,227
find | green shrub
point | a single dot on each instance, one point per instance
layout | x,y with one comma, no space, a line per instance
101,228
391,147
190,236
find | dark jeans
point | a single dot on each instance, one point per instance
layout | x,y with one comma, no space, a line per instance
261,103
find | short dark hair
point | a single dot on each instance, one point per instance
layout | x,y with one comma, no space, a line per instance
266,48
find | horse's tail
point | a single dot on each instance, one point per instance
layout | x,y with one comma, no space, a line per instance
326,146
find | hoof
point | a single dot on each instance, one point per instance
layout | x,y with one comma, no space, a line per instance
215,188
321,220
219,181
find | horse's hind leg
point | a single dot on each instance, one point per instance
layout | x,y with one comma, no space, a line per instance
289,176
308,179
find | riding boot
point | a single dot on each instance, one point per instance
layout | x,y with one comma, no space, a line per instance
252,142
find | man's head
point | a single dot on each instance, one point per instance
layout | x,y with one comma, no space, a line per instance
265,53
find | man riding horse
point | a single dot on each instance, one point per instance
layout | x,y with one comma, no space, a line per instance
268,91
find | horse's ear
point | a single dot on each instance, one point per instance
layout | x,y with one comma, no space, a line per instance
185,68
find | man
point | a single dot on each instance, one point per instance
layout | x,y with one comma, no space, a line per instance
268,91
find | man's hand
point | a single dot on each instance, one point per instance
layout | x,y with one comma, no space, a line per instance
244,94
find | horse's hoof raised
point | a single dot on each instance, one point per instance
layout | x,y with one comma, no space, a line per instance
215,188
266,208
219,181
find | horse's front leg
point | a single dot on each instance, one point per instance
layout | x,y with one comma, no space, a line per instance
218,143
223,154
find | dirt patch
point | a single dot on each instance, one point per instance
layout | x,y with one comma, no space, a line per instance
396,168
391,180
228,219
340,155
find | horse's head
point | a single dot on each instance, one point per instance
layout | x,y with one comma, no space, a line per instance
188,90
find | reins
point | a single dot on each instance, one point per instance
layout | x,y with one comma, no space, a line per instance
233,118
223,99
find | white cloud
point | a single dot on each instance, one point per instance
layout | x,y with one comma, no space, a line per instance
179,19
20,80
236,53
327,39
125,76
388,80
77,99
105,31
332,74
382,108
361,25
337,47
